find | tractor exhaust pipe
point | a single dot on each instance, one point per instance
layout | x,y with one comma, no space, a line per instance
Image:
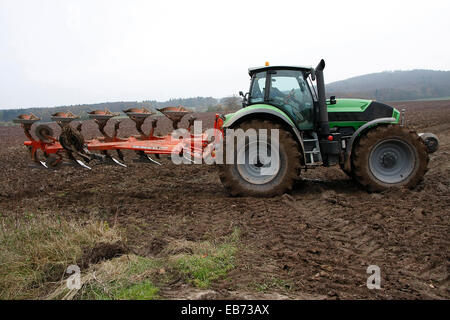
324,127
329,148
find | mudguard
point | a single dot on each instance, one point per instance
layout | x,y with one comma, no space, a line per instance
263,111
348,153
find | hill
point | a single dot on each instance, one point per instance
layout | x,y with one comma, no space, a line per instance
394,85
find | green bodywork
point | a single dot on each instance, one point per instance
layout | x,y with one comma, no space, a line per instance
242,111
342,105
353,105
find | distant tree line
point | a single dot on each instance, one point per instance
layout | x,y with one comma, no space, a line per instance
197,104
190,103
227,104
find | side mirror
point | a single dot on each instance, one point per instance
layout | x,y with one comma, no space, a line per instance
244,98
332,100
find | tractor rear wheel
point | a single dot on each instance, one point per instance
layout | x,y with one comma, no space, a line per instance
348,173
249,178
389,156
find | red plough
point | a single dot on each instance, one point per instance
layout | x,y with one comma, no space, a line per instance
71,144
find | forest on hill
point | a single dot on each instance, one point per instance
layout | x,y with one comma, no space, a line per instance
394,85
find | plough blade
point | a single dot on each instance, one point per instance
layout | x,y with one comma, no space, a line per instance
111,159
153,161
189,159
118,162
38,165
143,157
81,163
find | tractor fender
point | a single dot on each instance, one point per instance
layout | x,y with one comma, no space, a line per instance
265,113
364,127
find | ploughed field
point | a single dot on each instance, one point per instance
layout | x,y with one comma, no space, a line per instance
315,242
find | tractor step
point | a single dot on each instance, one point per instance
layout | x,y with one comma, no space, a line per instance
312,150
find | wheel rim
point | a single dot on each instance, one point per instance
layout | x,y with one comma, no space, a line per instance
255,166
392,161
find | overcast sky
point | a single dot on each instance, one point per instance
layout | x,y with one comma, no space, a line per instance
74,52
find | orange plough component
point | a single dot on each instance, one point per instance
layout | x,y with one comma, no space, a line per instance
143,144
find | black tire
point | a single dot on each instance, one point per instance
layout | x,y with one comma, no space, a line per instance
290,162
389,156
348,173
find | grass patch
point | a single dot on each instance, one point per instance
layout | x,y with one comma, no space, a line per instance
140,291
133,277
206,262
272,283
36,251
128,277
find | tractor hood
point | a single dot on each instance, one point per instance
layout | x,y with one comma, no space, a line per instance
359,110
350,105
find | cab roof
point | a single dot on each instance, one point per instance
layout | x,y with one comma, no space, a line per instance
252,71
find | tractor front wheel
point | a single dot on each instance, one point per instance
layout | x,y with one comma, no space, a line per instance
389,156
267,168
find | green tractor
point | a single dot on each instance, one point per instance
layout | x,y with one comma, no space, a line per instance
367,139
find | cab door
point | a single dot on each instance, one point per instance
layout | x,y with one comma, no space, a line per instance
290,92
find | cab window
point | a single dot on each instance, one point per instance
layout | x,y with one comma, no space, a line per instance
258,88
290,92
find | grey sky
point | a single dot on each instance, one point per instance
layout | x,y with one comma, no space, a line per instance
57,52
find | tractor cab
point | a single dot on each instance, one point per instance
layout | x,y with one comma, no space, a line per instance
286,88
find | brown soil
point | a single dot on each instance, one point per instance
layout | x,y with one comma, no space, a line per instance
102,251
315,242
